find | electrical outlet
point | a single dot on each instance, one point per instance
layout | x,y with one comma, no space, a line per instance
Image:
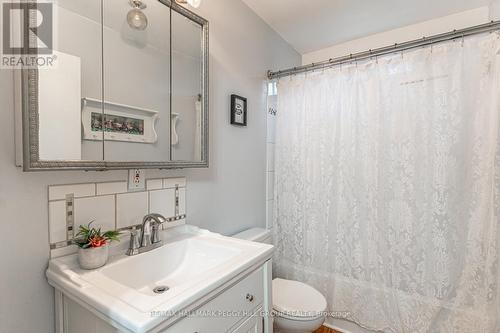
136,180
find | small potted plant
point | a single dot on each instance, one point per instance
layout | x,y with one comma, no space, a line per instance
92,245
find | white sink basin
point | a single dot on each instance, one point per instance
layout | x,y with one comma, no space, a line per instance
191,264
171,265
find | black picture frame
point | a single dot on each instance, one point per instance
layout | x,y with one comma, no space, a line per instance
239,109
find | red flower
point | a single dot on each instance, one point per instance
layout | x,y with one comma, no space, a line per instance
97,241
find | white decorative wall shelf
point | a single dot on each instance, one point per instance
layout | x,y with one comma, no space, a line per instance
174,117
120,122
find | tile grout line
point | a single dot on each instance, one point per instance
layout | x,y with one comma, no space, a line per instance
116,211
48,219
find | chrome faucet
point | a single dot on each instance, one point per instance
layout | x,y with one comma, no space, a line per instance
149,238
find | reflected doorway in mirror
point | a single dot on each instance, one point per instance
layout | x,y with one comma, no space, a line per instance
238,110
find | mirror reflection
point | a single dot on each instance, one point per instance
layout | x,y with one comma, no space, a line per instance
136,81
129,88
77,74
187,69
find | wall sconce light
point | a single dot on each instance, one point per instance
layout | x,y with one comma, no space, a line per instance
192,3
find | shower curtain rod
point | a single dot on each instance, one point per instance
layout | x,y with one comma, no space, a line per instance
398,47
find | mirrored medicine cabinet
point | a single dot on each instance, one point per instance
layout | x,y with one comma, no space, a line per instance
128,89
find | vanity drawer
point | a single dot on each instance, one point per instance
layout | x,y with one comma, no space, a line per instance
226,310
254,324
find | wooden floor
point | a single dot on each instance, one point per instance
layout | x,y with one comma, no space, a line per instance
324,329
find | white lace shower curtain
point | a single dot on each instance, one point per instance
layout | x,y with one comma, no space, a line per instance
387,187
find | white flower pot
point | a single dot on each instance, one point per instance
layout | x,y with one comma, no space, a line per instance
93,257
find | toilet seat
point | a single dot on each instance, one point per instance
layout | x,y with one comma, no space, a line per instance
297,301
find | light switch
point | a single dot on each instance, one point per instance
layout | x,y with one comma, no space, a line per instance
136,180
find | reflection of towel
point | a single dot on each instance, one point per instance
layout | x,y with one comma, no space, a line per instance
197,132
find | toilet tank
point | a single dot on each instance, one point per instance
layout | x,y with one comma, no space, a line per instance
255,235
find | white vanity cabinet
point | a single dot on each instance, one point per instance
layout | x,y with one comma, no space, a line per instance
196,282
238,306
230,308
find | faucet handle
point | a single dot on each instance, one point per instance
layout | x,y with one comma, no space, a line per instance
155,233
134,245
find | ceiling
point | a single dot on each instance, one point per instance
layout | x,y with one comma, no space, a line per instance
310,25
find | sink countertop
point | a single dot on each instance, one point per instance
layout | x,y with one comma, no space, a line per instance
195,263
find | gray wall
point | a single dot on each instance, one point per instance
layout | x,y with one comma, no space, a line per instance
227,197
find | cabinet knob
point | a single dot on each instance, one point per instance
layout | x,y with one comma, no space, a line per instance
250,297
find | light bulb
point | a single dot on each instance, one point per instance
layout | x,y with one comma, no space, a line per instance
136,19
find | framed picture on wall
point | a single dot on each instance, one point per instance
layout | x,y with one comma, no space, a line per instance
238,110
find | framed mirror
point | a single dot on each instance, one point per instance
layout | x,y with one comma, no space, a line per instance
128,89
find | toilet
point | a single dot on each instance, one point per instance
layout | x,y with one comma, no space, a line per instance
298,307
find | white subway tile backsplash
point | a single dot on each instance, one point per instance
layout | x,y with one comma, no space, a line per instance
58,192
271,128
111,188
173,182
173,224
154,184
63,251
101,210
57,221
182,201
111,206
270,157
131,208
270,214
270,185
162,202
